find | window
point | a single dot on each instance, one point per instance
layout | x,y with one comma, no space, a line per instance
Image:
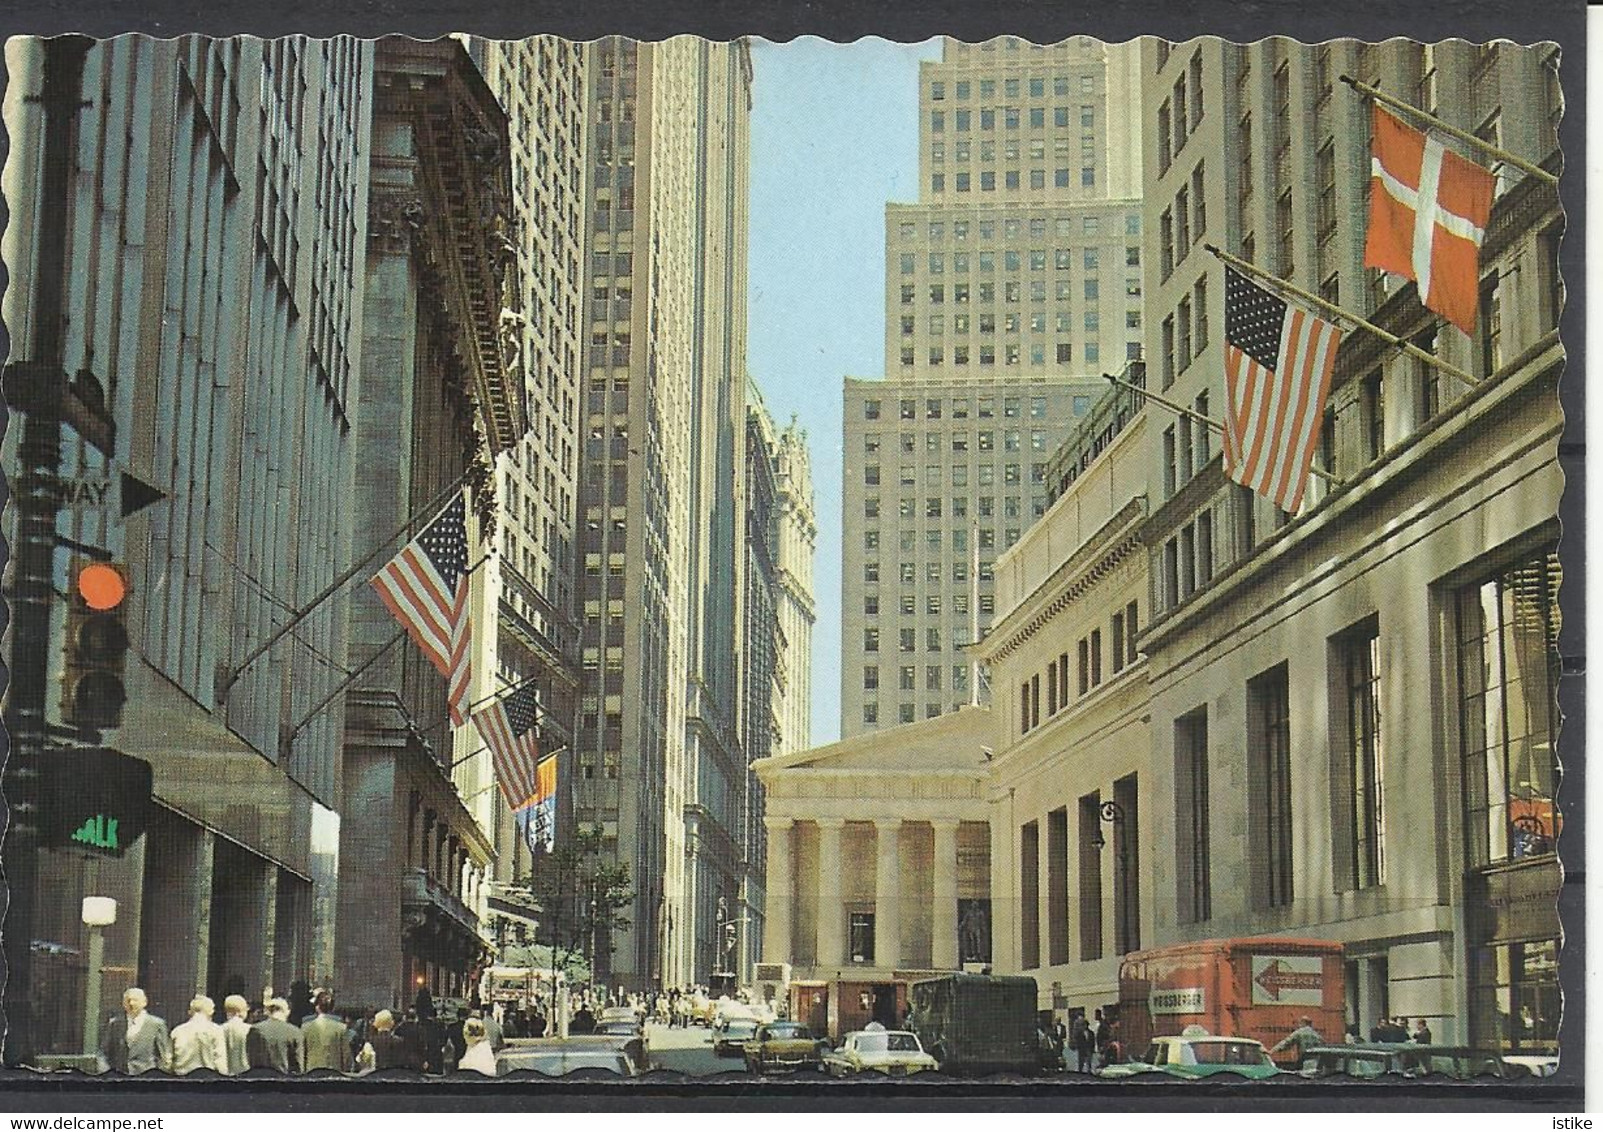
1269,804
1491,326
1085,665
908,638
1196,88
1357,755
1091,841
871,571
1194,888
1096,658
1029,895
1199,206
1429,379
870,640
871,410
1118,641
1183,326
909,674
1507,668
1170,468
870,713
1199,307
1166,243
1165,118
870,677
1374,415
861,936
1181,119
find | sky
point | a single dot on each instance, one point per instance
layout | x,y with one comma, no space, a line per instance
834,135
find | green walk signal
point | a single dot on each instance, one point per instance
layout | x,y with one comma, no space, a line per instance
95,800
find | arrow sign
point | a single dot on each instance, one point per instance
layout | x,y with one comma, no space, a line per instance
1286,980
137,495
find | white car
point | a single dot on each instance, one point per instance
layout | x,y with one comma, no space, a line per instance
1194,1052
895,1053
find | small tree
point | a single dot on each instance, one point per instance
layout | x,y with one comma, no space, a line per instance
584,897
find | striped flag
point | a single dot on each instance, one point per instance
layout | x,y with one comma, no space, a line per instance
1278,361
1428,209
538,821
425,587
508,728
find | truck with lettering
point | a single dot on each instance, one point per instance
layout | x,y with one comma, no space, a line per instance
977,1024
1258,987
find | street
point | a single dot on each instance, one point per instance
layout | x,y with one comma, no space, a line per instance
686,1051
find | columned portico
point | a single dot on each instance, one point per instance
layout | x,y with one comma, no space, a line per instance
876,842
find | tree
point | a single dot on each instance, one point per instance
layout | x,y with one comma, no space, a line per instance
584,897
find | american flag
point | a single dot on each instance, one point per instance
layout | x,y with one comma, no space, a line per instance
426,588
1278,361
508,727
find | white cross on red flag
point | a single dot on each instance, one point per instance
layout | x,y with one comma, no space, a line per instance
1428,209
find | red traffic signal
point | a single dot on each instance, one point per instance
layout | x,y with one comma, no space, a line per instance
96,646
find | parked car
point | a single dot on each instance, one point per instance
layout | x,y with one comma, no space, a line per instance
1539,1065
1375,1059
729,1038
895,1053
784,1045
628,1033
555,1057
1195,1052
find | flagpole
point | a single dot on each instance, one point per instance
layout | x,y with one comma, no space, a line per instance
1340,312
1462,135
1181,410
342,686
495,695
334,587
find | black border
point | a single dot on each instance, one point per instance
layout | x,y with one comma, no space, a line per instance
844,20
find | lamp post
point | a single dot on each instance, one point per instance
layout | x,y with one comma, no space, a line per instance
1113,814
99,912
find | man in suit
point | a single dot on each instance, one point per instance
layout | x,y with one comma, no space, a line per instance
275,1042
198,1043
236,1035
328,1042
137,1042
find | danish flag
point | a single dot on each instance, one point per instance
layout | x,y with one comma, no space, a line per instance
1428,209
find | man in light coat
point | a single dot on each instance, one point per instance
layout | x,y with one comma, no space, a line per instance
236,1035
137,1041
328,1041
198,1043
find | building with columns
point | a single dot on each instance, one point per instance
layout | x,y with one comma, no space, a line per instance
878,875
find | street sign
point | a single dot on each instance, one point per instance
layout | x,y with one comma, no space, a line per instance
1288,980
132,494
95,800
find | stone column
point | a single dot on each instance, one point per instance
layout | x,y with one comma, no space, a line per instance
943,950
780,893
831,913
888,893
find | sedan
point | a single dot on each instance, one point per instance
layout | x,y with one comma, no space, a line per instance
895,1053
556,1057
784,1045
729,1040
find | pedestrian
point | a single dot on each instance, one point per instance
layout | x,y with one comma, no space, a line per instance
328,1043
275,1042
1084,1041
582,1022
456,1045
1304,1037
136,1041
494,1032
478,1057
236,1032
198,1043
300,1003
1422,1032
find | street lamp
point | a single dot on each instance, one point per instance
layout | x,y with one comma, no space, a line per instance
99,913
1113,814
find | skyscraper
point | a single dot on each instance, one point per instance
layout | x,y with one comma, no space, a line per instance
659,764
1012,284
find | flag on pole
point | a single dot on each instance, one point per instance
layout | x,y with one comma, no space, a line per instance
1428,209
1278,361
508,728
538,820
425,587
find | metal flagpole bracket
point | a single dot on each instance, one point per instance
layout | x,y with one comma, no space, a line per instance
1387,336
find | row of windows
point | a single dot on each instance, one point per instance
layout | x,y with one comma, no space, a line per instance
985,438
1183,225
1062,260
1011,88
985,407
907,639
1013,290
985,476
1185,332
907,713
1012,355
963,150
908,677
1012,117
1088,670
934,572
1180,115
1062,226
933,604
1061,179
985,506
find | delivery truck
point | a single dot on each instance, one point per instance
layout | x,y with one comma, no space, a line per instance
977,1024
1258,987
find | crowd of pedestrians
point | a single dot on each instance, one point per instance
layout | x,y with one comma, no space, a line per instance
276,1036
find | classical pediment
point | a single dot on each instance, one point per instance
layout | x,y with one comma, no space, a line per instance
957,742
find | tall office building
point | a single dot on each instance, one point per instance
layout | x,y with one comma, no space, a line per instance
1352,707
541,84
795,537
658,762
1012,284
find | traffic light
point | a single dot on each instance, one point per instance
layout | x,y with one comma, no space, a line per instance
95,800
92,692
